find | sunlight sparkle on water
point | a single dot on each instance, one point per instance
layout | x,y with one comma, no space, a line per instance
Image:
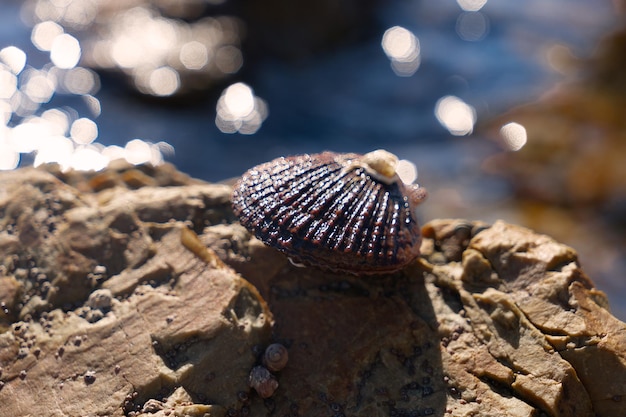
57,149
138,151
14,58
65,51
239,110
163,81
58,135
9,157
455,115
472,26
403,49
514,136
37,85
163,56
79,81
44,33
8,83
87,158
84,131
471,5
194,55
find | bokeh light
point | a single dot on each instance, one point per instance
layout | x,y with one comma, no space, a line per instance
194,55
407,171
228,59
37,85
84,131
471,5
93,104
403,49
30,125
79,80
14,58
162,56
472,26
65,51
54,149
138,151
86,158
9,157
44,33
239,110
514,136
455,115
162,81
8,83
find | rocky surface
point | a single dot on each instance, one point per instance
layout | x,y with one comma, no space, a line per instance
134,291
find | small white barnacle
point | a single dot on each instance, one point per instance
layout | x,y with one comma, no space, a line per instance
379,164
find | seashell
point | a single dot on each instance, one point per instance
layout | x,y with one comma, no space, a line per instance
263,382
275,357
340,212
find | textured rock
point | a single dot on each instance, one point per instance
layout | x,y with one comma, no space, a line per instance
117,300
494,320
120,305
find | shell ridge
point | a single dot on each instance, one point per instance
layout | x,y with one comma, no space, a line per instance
267,203
349,212
393,229
273,174
297,221
329,216
330,198
277,212
307,198
352,235
365,245
304,179
407,229
379,230
395,224
359,229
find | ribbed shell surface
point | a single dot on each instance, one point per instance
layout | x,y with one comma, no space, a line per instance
324,211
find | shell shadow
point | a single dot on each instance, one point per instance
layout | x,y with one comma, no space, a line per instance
357,345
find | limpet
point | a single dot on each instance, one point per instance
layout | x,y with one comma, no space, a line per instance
342,212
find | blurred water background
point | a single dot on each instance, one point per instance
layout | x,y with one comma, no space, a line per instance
509,109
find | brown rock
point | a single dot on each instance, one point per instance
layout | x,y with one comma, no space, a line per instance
141,316
190,326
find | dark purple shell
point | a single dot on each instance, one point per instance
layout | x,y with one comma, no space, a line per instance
327,210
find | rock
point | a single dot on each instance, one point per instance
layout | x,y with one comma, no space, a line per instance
142,314
190,324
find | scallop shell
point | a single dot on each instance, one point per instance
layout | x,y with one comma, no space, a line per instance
341,212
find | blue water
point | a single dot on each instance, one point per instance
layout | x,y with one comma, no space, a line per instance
350,99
